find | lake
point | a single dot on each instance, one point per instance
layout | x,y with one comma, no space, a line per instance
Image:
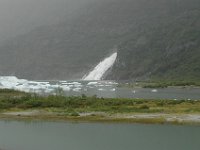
41,135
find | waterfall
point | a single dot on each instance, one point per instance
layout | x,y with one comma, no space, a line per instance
98,72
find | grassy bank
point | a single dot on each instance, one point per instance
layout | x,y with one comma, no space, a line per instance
91,108
160,84
18,100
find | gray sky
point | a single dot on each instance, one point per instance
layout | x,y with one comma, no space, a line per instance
20,16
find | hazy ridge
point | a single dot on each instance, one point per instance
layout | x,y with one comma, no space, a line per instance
154,39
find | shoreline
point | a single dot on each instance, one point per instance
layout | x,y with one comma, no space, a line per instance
102,117
20,105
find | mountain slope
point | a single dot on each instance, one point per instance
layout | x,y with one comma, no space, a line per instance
167,51
155,40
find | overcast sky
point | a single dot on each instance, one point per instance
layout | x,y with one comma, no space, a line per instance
20,16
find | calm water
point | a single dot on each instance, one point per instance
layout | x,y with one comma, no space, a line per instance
95,136
110,89
106,89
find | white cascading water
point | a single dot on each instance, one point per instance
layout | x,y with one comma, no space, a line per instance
98,72
12,82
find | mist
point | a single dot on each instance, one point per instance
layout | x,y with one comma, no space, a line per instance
20,16
66,39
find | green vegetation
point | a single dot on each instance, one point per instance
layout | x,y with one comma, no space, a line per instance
159,84
165,84
74,105
20,105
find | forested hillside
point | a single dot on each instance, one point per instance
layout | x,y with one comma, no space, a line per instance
155,39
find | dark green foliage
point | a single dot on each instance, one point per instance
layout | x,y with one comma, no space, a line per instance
144,107
74,114
72,105
166,48
165,84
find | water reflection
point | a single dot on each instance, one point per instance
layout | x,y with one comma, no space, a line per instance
94,136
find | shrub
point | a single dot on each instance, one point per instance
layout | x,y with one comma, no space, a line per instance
144,107
74,114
